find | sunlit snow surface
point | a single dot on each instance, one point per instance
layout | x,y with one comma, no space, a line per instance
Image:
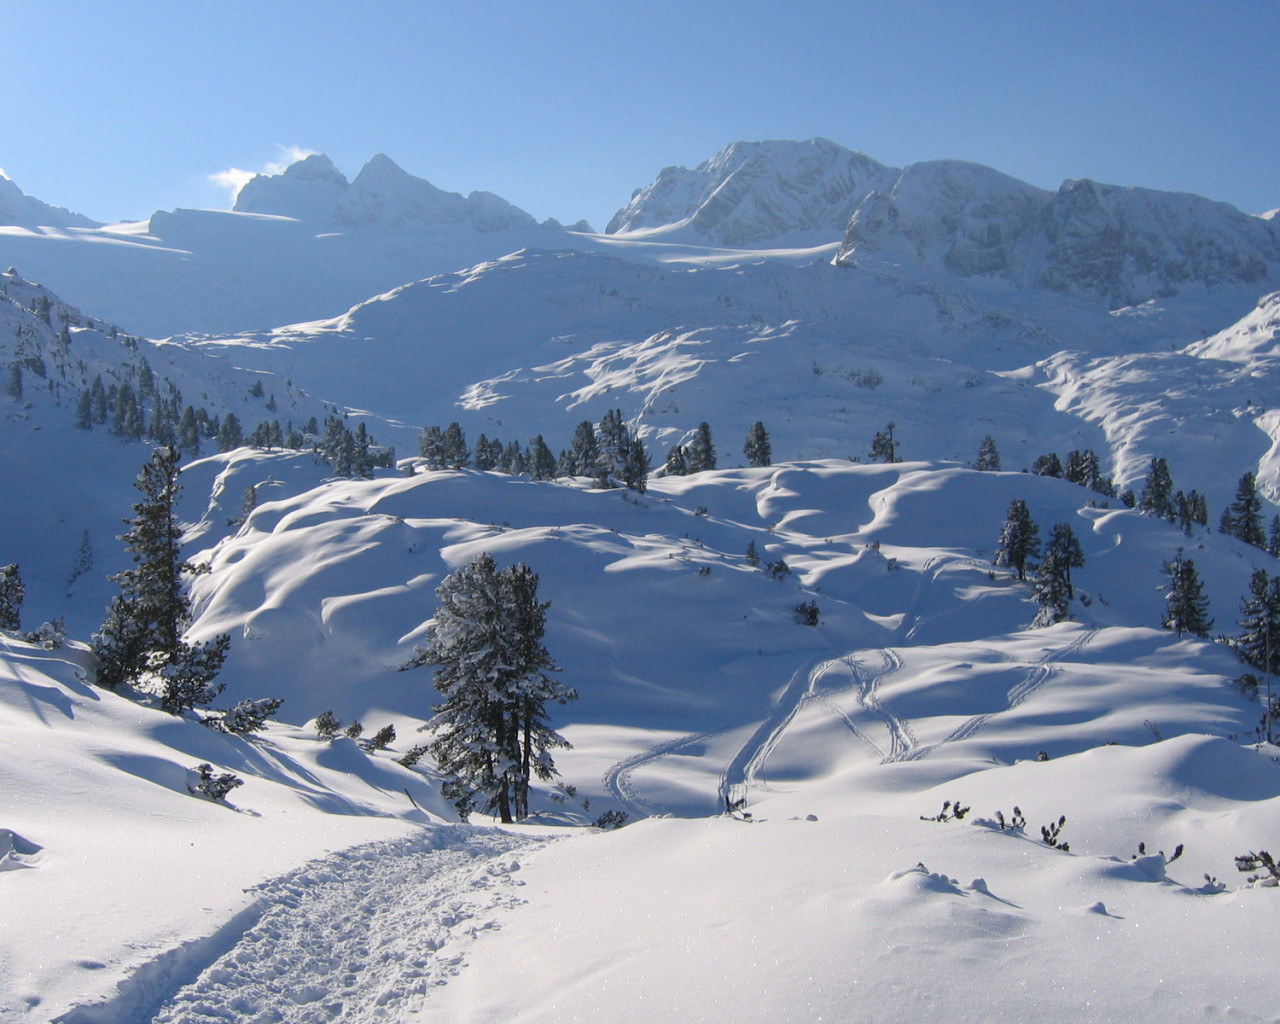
834,900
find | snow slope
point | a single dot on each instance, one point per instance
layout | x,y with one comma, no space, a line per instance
920,684
335,884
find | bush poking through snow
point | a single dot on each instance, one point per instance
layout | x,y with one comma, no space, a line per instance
950,812
354,730
611,819
246,717
1016,823
1256,862
215,787
777,570
382,739
807,613
11,593
413,755
327,725
1052,835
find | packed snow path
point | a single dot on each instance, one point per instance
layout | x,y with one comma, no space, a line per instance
360,935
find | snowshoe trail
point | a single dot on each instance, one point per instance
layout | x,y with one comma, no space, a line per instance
361,935
902,740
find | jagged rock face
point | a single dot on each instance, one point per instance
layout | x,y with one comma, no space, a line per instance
1124,245
1132,244
753,193
382,195
17,209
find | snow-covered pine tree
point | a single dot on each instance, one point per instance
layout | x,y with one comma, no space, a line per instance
11,593
756,448
700,452
1019,539
142,637
492,672
1047,465
1259,640
883,447
542,464
677,461
1273,538
1051,579
988,455
1186,607
453,447
1242,519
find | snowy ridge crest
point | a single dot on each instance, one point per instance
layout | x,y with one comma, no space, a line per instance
756,192
382,195
1125,245
17,209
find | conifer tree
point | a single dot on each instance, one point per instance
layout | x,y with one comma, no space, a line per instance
584,450
635,465
757,448
988,455
494,677
1242,519
1273,538
677,461
431,447
542,464
700,452
84,410
453,447
11,594
883,447
230,434
141,640
1259,640
1047,465
1051,579
1186,607
1019,539
1157,491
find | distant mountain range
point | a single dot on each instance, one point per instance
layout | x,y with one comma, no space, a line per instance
307,243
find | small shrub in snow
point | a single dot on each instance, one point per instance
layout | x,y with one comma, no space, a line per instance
413,755
777,570
1016,823
327,725
611,819
354,729
807,613
382,739
50,635
1052,834
753,557
950,812
215,787
247,716
1256,862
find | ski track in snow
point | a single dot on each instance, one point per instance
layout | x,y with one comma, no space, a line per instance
618,777
1041,672
361,935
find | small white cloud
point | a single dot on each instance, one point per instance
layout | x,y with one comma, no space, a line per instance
234,178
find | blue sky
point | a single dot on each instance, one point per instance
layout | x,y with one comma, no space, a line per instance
119,109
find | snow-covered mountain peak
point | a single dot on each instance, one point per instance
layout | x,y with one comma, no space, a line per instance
17,209
755,193
307,189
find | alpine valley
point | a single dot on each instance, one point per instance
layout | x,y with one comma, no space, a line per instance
864,770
